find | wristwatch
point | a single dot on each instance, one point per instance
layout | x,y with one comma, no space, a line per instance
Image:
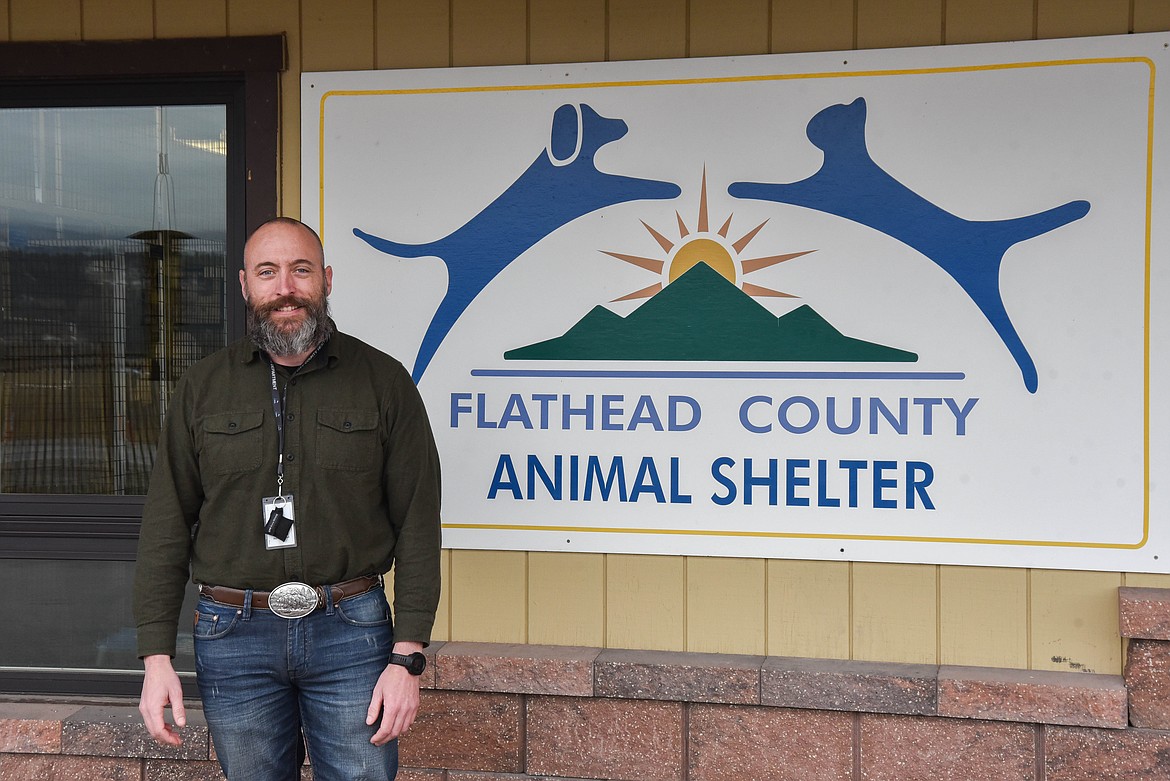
414,663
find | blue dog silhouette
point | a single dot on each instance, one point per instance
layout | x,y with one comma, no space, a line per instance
851,185
562,184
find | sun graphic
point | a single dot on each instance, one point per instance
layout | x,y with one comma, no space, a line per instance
703,246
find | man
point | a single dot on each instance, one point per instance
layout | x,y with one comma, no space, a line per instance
294,468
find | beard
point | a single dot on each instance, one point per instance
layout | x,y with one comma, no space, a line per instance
290,338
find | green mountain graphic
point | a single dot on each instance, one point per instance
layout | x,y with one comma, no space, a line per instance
703,317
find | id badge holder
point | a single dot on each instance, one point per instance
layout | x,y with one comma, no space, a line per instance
277,516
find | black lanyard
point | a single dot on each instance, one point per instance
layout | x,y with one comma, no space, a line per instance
278,402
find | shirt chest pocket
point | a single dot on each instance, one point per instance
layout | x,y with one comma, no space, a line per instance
232,442
348,439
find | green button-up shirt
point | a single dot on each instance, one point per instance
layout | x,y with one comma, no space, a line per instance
359,460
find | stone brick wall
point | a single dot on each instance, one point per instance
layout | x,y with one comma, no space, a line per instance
495,712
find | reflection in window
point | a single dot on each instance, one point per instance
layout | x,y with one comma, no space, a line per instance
112,283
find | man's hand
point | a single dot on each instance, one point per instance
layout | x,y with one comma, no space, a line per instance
160,688
396,697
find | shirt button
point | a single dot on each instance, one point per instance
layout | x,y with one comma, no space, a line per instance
348,424
291,457
291,416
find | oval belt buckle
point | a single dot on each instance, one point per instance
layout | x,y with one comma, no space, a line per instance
292,600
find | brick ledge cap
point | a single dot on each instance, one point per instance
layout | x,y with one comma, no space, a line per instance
1144,613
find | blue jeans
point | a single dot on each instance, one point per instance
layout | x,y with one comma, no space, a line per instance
265,679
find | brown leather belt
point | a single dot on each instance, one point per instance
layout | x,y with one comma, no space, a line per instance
277,600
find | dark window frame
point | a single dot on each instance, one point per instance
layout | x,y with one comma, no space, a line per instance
244,73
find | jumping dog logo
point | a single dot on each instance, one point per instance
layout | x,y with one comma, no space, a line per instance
701,308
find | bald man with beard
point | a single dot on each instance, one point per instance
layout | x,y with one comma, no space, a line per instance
295,468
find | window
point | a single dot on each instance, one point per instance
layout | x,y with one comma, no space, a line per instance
113,265
129,175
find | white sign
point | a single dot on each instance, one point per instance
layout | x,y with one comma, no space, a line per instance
901,305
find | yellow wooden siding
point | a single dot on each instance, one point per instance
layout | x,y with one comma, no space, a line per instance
413,34
271,17
268,17
1145,580
1069,18
983,616
1151,16
4,35
566,599
566,31
1074,621
726,27
45,20
895,613
117,19
979,21
187,19
647,29
808,609
645,600
726,605
802,26
489,591
489,34
337,35
887,23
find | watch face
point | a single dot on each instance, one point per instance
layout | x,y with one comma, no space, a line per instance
414,663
